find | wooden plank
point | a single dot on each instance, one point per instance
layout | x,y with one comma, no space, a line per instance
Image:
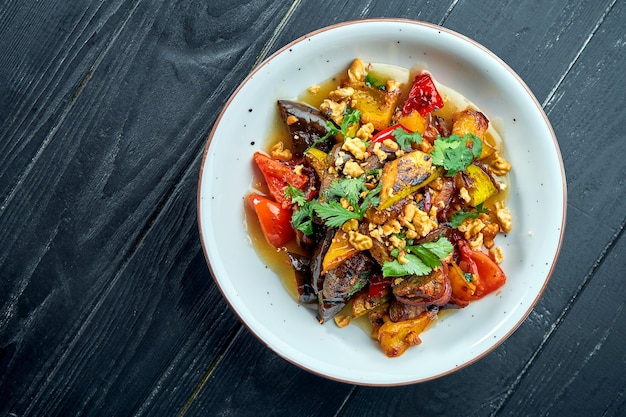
261,384
538,40
43,71
493,378
584,363
307,17
106,173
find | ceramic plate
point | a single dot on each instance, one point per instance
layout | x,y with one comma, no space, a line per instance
537,202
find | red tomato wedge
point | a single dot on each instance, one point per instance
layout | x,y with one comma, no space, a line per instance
275,220
488,276
278,177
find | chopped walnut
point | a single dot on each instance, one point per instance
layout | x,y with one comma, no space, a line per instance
291,119
352,224
409,211
355,146
423,223
365,131
392,226
391,144
504,218
342,320
464,194
489,234
471,227
341,94
314,89
279,152
360,241
353,169
380,154
476,242
356,72
402,258
496,254
499,166
333,110
397,242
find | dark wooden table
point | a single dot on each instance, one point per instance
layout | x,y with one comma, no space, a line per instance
107,306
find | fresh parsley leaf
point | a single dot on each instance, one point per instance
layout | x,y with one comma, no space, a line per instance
334,214
457,218
349,188
453,154
405,139
302,218
372,81
441,248
422,258
295,194
372,199
350,116
415,266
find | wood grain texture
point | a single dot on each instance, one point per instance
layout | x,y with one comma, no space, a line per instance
107,306
107,171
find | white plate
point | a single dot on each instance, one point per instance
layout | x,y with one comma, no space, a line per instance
537,201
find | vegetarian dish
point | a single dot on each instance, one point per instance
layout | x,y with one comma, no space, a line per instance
385,197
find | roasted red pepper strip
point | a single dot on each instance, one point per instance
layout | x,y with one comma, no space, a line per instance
386,134
423,95
278,177
488,276
377,284
275,221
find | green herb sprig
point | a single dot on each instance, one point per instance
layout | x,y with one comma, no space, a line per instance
422,258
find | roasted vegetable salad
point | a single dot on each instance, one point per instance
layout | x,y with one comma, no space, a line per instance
386,197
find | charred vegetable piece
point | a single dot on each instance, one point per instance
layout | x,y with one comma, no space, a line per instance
318,160
487,275
376,106
275,220
339,250
306,125
399,311
278,176
343,282
317,279
474,122
480,185
424,290
302,270
404,176
396,338
462,287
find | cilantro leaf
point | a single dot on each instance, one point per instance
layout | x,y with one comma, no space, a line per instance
404,139
295,194
334,214
372,199
453,154
372,81
440,248
422,258
348,188
457,218
350,116
302,219
415,266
